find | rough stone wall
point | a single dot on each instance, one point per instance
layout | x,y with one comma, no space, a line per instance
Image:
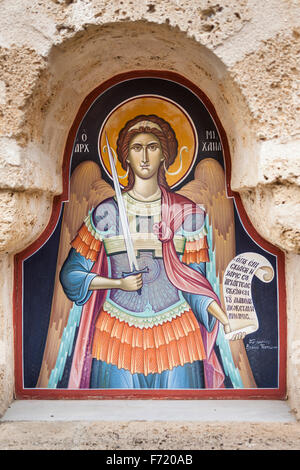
158,435
242,53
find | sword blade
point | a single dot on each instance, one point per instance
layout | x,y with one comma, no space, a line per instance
122,211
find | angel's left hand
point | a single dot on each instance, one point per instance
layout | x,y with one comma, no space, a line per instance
240,335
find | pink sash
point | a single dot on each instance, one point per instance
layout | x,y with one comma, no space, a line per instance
174,209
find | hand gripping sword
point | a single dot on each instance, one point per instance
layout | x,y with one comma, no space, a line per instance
124,221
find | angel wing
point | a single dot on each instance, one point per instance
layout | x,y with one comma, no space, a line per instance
87,189
208,190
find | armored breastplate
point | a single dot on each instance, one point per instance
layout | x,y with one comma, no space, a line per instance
159,299
158,294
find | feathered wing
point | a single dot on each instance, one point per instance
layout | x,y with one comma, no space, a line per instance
87,189
208,190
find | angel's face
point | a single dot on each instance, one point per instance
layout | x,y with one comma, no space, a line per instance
145,155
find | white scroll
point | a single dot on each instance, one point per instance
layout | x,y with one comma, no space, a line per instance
237,282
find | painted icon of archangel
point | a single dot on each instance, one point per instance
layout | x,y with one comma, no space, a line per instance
156,284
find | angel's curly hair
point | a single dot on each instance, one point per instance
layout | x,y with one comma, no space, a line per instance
166,136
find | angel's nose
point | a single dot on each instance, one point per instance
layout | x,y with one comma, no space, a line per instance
145,155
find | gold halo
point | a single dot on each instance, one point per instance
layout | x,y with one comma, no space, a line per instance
167,109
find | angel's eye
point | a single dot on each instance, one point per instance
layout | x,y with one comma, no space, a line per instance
136,147
153,147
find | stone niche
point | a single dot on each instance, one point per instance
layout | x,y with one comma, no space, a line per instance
51,84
